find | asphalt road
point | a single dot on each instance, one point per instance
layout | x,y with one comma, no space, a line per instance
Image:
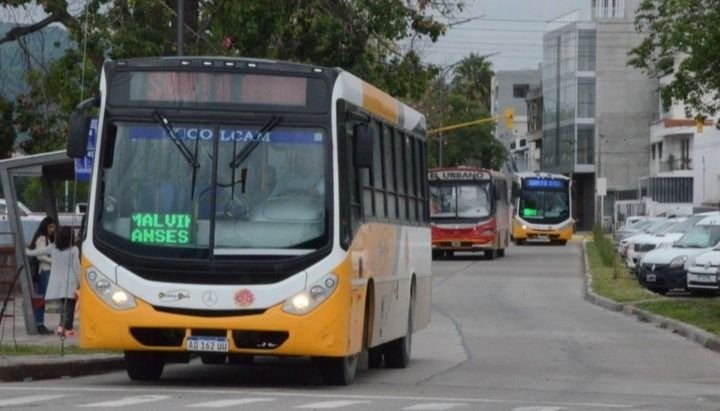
512,334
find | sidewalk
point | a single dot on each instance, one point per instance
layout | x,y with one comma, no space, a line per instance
39,366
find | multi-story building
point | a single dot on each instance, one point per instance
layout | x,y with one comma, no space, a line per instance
683,165
509,90
597,109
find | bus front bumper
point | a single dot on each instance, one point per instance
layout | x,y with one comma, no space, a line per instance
322,332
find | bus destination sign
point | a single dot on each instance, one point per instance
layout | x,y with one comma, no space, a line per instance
160,229
459,175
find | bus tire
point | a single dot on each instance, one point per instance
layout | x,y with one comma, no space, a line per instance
501,253
338,370
144,365
449,254
435,254
519,241
397,352
490,254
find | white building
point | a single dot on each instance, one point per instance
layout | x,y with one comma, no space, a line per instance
683,160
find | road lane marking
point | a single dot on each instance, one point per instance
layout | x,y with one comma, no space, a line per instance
435,406
29,399
325,405
229,403
124,402
299,394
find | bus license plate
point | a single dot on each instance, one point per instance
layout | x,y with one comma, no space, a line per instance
650,278
207,344
455,243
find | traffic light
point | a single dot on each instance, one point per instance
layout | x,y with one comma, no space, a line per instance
509,118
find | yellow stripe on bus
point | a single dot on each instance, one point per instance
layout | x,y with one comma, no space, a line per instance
380,103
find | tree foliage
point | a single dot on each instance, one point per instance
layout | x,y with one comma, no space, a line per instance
362,36
682,38
462,98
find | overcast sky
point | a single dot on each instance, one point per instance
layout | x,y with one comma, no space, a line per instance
514,28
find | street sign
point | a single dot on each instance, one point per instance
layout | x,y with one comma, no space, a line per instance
601,186
83,166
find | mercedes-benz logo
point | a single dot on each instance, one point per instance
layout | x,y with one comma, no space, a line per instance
652,268
209,298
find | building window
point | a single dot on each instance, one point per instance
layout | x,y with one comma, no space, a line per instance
520,90
586,98
586,50
585,146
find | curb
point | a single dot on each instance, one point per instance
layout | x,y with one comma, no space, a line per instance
27,368
692,333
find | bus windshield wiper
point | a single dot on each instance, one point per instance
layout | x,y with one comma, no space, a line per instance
184,150
250,147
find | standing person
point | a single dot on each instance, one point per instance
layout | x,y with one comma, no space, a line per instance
44,236
64,276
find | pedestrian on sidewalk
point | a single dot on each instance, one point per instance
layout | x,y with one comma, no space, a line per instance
43,237
64,276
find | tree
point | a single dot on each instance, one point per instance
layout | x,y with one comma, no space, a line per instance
360,36
463,98
473,75
7,129
682,38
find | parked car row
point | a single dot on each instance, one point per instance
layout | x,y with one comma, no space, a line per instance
674,253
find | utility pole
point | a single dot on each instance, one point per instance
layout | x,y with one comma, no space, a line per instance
180,23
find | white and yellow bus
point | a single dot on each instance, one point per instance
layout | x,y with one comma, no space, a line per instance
542,206
241,208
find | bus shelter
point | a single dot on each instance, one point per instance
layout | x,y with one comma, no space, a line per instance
51,168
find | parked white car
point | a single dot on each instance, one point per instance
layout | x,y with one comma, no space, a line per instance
640,245
704,273
632,229
655,228
666,268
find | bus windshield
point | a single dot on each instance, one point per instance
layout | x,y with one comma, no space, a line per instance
470,201
544,205
239,192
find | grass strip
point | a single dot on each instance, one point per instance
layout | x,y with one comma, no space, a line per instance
703,313
616,283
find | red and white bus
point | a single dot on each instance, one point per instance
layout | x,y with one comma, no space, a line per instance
469,211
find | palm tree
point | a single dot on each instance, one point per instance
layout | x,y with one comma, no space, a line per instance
471,77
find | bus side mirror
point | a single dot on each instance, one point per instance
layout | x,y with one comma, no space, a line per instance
364,139
79,129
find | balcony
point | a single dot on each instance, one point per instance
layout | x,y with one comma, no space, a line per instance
675,164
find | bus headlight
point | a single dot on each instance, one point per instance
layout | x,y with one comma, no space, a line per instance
108,291
309,298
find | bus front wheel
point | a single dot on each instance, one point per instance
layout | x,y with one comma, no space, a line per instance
338,370
144,365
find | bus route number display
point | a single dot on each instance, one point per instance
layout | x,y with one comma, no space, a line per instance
160,229
545,183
